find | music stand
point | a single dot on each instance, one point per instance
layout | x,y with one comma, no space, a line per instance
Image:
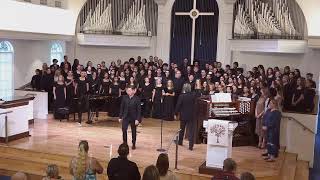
161,148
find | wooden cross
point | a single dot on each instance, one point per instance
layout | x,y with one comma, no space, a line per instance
194,14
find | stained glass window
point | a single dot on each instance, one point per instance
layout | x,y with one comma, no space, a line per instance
57,52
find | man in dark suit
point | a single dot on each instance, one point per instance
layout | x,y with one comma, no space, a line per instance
185,106
130,114
121,168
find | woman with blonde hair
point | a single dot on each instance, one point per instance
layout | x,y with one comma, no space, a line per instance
168,101
84,167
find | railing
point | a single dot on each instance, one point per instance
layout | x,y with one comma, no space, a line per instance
305,128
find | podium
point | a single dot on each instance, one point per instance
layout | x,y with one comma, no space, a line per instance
219,146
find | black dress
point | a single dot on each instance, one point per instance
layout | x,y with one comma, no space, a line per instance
158,103
309,95
146,96
70,93
168,105
300,106
115,100
60,101
105,87
36,82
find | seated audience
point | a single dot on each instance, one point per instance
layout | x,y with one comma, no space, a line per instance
229,169
19,176
163,168
82,166
52,172
121,168
247,176
151,173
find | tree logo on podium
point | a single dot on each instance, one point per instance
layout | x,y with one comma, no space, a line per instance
218,130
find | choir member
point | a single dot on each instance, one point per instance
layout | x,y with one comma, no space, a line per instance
105,85
298,96
65,61
115,92
168,101
36,80
70,88
81,90
272,118
198,87
259,112
246,92
59,93
309,94
157,99
75,65
146,97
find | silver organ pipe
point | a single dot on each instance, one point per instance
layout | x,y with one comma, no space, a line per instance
268,19
130,17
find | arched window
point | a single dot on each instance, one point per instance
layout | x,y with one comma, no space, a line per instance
6,69
57,52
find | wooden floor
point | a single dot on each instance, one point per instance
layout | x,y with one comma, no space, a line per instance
60,139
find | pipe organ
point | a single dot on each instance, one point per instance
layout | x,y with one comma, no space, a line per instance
126,17
268,19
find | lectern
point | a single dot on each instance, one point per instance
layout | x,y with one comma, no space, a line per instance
219,146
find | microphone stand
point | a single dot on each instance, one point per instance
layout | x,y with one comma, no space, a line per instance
175,139
161,149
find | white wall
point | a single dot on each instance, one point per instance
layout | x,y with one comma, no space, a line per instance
28,56
308,62
96,54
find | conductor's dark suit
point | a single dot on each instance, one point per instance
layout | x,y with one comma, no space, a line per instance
130,110
185,106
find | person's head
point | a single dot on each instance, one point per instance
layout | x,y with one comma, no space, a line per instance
60,78
178,74
186,88
151,173
229,165
170,84
191,77
229,89
147,80
54,61
198,84
52,171
247,176
309,83
106,76
235,65
70,74
309,76
37,71
212,87
123,150
273,104
65,58
246,89
163,164
300,82
19,176
83,74
131,90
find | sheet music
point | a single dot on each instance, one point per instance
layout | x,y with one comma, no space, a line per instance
221,97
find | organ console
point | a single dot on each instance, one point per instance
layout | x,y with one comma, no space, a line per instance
241,111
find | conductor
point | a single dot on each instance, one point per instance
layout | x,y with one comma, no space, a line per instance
185,106
130,114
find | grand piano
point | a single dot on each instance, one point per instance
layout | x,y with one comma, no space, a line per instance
240,111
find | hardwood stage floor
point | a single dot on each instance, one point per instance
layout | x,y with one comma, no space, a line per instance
52,136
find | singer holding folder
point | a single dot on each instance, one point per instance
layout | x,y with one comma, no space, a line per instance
185,107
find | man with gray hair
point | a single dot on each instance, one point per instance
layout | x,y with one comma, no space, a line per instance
185,107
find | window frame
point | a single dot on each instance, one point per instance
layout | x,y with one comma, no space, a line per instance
11,51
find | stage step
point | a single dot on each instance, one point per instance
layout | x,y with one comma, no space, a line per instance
289,167
302,171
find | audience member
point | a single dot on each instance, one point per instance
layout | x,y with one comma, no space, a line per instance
82,166
151,173
121,168
229,169
163,168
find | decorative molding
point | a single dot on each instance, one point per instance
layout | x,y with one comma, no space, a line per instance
271,46
113,40
33,36
314,42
